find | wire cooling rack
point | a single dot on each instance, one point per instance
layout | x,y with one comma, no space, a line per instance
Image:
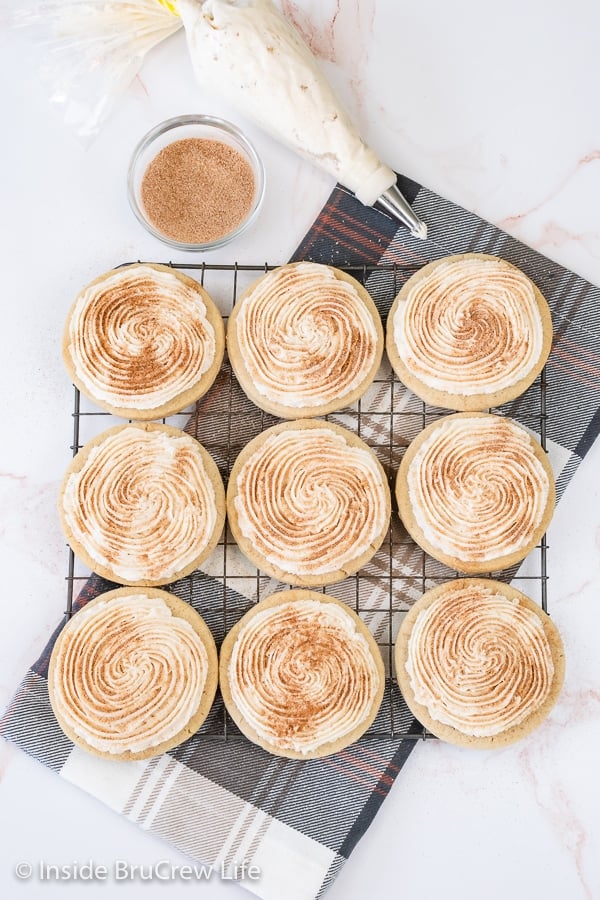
387,418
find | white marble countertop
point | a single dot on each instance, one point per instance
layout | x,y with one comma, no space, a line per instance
493,106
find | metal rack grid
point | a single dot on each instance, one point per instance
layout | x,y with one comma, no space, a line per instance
224,420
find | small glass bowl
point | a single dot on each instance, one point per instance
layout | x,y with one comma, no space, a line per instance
193,126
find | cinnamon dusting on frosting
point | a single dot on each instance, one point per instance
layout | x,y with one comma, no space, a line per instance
470,326
309,502
128,675
302,675
478,661
142,504
305,336
476,487
140,337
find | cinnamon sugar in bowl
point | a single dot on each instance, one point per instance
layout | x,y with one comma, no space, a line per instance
195,182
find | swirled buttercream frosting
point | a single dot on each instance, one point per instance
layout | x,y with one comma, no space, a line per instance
141,505
478,660
470,326
127,674
139,338
302,675
306,338
310,502
477,489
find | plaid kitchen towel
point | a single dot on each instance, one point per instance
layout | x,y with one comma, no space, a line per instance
217,797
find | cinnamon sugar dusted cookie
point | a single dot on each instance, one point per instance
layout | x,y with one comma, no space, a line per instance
476,491
304,340
479,663
469,332
142,504
301,675
133,674
308,502
143,341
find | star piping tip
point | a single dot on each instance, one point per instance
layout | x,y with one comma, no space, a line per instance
396,205
420,231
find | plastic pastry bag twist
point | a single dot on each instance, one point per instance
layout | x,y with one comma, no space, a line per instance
92,50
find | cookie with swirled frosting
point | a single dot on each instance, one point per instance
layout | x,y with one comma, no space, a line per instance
301,675
476,491
133,674
479,663
142,504
469,332
304,340
308,502
143,341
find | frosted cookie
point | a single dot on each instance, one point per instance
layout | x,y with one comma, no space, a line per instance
479,663
143,341
308,502
301,675
142,504
475,491
468,332
304,340
133,674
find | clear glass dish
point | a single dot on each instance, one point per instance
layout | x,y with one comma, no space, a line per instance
192,126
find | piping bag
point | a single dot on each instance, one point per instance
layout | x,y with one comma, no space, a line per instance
247,52
91,50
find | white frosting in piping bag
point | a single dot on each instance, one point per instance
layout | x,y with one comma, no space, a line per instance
254,58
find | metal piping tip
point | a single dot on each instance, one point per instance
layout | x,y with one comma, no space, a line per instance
397,206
